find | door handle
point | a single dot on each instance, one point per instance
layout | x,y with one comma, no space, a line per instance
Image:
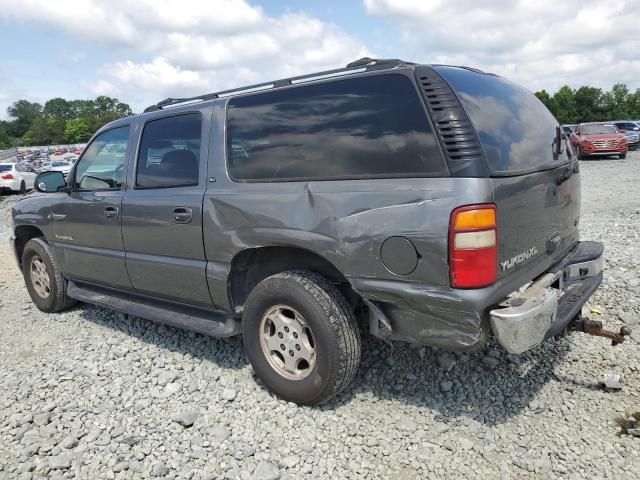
111,212
182,215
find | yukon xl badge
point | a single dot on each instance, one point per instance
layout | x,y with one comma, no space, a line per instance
518,259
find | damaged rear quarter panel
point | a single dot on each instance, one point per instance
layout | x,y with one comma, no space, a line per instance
346,222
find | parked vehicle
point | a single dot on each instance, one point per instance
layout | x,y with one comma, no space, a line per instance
15,177
60,166
631,132
423,200
598,138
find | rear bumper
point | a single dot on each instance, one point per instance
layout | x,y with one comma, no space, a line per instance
542,310
10,185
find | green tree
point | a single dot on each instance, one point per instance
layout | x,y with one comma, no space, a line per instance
77,130
588,104
5,140
45,131
23,113
545,98
565,105
58,108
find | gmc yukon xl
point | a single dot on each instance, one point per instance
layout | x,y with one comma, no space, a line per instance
436,204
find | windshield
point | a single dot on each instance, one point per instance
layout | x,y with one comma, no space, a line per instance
598,129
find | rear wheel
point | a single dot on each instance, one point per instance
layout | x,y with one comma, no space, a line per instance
301,337
622,156
23,188
46,286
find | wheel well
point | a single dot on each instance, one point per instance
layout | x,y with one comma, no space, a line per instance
251,266
23,234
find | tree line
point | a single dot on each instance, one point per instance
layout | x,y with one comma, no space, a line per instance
590,104
59,121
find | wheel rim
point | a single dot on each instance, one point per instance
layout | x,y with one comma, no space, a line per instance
40,277
287,342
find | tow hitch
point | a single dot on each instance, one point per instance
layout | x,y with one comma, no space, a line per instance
594,327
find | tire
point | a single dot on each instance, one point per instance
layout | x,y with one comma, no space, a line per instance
622,156
49,295
580,155
332,333
23,188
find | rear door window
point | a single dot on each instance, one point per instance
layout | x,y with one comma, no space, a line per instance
515,129
365,127
170,152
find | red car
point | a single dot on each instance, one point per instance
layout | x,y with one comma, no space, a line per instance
599,139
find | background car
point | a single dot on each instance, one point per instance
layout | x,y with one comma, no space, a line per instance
15,177
60,166
631,132
599,138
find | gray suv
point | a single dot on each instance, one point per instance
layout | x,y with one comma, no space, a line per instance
434,204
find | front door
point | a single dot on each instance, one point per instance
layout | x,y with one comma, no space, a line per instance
162,211
88,222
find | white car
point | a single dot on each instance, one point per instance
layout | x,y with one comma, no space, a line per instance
15,177
60,166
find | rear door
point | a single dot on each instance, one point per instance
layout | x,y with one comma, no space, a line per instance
162,210
537,192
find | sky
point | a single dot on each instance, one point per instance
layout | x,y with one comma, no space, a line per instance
142,51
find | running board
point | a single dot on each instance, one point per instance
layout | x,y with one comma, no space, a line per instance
188,318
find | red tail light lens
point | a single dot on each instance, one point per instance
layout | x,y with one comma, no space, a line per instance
8,176
473,246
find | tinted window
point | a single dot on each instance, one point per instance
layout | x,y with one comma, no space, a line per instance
515,128
5,168
170,152
359,127
101,166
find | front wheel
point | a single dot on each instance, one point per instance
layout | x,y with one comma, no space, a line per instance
301,337
46,285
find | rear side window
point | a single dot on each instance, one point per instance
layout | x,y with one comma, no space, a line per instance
169,153
364,127
515,128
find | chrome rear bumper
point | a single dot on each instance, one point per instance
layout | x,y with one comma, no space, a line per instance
544,308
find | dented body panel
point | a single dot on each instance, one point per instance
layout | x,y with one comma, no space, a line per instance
387,239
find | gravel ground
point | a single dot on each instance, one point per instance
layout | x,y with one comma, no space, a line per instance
89,394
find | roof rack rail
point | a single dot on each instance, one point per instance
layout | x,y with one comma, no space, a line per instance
362,64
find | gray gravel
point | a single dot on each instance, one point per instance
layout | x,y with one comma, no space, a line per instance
89,394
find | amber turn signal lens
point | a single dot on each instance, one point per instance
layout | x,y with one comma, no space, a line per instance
472,219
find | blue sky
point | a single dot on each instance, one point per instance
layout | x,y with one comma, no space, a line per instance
147,50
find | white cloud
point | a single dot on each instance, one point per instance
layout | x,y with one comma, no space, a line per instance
541,43
178,48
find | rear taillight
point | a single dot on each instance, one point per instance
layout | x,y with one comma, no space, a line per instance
473,246
8,176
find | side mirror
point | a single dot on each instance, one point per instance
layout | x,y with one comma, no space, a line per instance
48,182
